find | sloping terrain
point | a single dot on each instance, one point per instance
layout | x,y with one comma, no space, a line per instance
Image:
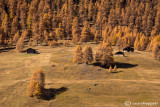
72,85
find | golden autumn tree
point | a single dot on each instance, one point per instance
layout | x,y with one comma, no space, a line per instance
36,85
87,55
137,45
20,44
85,35
104,54
97,37
60,32
143,42
75,30
16,37
78,55
156,51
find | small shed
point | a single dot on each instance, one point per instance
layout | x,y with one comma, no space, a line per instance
119,53
31,51
128,49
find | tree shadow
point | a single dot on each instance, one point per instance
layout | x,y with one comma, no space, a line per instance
7,49
51,93
116,72
118,64
125,65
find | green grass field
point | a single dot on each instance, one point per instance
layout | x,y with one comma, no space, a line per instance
137,79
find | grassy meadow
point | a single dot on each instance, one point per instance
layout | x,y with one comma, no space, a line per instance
72,85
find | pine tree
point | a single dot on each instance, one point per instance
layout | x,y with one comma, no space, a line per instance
78,55
87,55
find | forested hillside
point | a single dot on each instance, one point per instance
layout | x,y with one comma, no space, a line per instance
120,22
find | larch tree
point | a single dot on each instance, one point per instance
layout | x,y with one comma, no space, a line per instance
36,85
20,44
87,55
16,37
60,32
78,55
85,35
5,24
156,51
75,30
104,54
97,37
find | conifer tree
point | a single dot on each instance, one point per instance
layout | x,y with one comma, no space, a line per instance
85,35
156,51
16,37
5,24
110,68
60,32
75,30
115,68
104,54
36,85
20,44
87,55
78,55
15,26
96,37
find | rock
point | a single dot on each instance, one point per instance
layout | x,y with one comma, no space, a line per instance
95,84
99,69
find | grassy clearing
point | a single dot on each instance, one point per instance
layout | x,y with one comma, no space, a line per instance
87,85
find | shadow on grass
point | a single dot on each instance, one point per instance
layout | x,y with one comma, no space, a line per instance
118,64
6,49
116,72
125,65
51,93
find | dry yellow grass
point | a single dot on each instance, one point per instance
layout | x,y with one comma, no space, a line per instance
137,79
